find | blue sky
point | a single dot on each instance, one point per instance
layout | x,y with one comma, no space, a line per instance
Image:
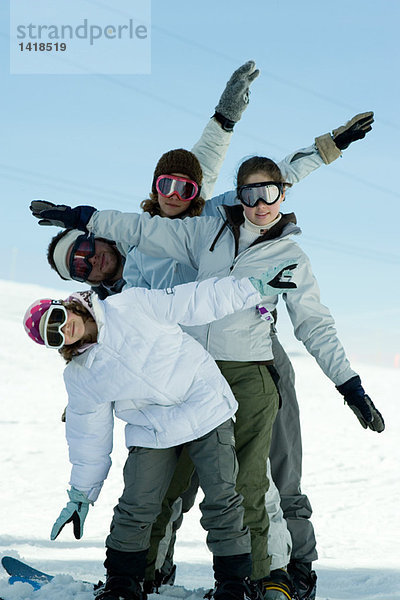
95,139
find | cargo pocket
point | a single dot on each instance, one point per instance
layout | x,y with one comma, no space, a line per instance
227,461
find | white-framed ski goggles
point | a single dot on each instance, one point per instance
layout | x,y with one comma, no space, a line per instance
55,319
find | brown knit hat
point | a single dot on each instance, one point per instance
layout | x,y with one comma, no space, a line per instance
178,161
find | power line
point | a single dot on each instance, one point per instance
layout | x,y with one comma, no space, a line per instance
352,250
36,178
236,61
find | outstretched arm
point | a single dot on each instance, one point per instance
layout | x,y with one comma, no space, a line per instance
314,326
201,302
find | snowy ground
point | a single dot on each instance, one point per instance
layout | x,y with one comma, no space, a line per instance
350,475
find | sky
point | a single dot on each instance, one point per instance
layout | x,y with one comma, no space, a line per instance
95,139
349,474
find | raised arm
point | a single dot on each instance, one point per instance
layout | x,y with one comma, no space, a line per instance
302,162
214,142
326,149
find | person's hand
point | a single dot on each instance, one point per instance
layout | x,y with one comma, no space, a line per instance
361,404
355,129
276,280
330,146
61,215
76,512
235,97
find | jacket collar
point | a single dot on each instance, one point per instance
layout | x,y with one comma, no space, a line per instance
234,217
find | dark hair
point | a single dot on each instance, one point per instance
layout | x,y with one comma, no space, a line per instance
51,247
257,164
68,352
152,206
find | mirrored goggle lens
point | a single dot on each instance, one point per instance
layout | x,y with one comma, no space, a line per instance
79,265
185,189
80,269
269,194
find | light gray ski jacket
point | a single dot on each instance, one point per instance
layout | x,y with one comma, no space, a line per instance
209,245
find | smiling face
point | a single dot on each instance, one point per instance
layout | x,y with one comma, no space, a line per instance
262,214
74,328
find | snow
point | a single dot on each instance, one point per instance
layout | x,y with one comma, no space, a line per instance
350,475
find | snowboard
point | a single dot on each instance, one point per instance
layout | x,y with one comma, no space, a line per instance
20,571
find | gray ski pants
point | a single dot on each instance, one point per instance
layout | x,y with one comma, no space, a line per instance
147,474
286,461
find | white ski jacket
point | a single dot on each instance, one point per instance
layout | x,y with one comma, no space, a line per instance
154,376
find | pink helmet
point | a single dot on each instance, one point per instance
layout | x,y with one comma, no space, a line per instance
32,319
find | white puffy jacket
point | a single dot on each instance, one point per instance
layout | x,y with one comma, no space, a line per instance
154,376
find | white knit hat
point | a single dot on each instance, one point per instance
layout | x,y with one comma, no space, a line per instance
61,250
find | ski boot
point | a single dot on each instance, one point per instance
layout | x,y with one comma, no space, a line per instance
121,588
161,578
304,580
238,589
165,577
277,586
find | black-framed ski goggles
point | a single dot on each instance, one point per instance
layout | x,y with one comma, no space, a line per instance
266,191
83,249
185,189
55,319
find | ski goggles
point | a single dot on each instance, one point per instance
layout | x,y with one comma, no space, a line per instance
185,189
267,191
79,265
55,319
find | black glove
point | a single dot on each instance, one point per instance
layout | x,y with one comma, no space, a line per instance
330,146
361,404
60,215
355,129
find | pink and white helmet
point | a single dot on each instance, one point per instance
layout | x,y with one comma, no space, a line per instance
32,319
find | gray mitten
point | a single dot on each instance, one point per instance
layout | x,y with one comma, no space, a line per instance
330,146
235,96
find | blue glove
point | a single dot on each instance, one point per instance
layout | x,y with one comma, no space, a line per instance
276,280
75,511
60,215
361,404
